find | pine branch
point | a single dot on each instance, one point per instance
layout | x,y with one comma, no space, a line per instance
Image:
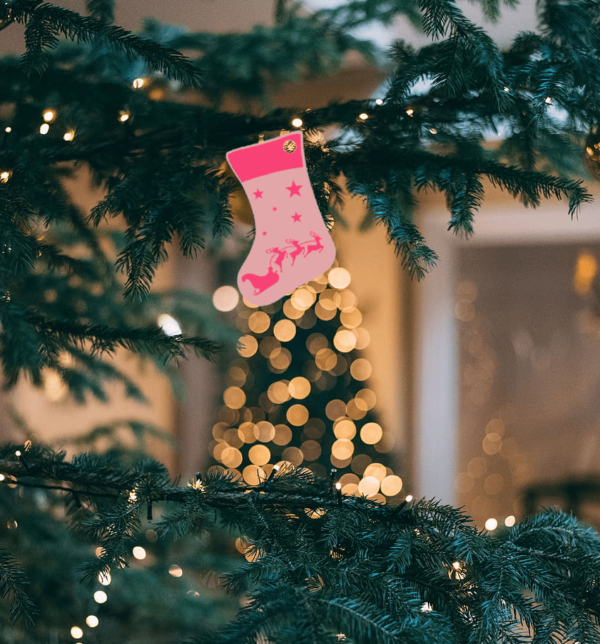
46,22
13,584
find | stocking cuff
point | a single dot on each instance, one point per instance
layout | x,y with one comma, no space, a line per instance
283,153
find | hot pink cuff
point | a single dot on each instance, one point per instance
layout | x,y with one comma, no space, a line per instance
271,156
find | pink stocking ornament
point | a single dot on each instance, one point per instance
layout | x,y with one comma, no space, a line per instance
292,244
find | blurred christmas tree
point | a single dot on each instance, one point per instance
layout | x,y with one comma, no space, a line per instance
298,394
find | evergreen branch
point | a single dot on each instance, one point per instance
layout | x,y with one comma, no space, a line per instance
46,22
13,583
102,10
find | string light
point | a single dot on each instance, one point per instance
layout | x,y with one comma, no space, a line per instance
44,128
124,116
132,497
378,101
49,116
69,136
548,100
168,324
297,122
138,83
510,521
507,89
100,597
338,486
363,117
4,176
92,621
426,607
409,498
433,130
2,477
175,571
410,111
18,453
105,578
76,632
139,552
8,129
491,525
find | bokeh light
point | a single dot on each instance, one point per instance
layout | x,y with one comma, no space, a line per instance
226,298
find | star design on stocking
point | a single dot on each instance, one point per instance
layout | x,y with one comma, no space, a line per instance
296,216
258,194
294,189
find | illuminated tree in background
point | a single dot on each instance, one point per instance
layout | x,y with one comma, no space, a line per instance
297,392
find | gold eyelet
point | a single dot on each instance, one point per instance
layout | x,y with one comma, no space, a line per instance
289,146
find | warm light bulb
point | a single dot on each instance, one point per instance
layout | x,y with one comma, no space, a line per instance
510,521
175,571
104,578
297,122
139,552
433,130
4,176
410,111
226,298
123,116
68,136
507,89
44,128
363,117
456,565
491,524
169,324
548,100
132,497
2,477
100,597
426,608
18,453
276,467
8,129
338,486
92,621
378,101
49,116
76,632
409,498
138,83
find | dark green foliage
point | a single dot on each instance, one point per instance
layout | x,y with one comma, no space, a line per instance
161,170
324,568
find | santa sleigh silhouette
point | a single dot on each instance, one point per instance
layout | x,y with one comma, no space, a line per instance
263,282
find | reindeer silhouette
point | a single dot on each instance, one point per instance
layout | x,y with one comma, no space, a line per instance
298,248
278,255
262,282
317,245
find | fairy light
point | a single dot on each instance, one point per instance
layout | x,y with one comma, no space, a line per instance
433,130
510,521
363,116
69,136
297,122
18,453
378,101
410,111
132,497
138,83
44,128
49,116
2,477
491,524
338,486
100,597
169,325
426,607
104,578
92,621
409,498
548,100
124,116
139,552
76,632
4,176
175,571
8,129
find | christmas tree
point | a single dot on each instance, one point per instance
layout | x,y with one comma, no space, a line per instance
298,392
322,566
